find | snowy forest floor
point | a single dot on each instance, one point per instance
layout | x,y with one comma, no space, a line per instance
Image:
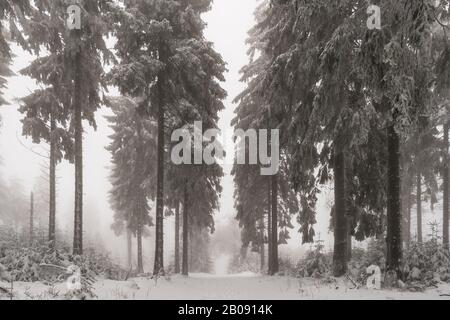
233,287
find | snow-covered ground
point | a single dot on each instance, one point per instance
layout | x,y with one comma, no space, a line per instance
233,287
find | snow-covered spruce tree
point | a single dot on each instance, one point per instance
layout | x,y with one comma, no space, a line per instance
4,72
254,200
250,184
47,111
47,120
422,151
394,62
421,155
192,196
339,118
167,64
253,112
132,148
442,92
199,188
270,37
322,39
312,92
253,206
310,48
12,14
173,201
201,201
81,52
200,255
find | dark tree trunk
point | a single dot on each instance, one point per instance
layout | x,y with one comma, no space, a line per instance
191,250
406,211
78,219
269,226
140,264
185,266
31,219
394,233
419,207
348,207
141,197
275,266
349,241
262,240
129,249
445,237
340,217
159,230
52,182
177,238
408,218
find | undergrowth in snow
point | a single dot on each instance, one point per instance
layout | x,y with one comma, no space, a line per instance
233,287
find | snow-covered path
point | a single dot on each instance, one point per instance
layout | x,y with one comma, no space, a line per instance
234,287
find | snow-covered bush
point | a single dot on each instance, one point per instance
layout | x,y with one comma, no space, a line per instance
362,259
316,264
101,265
24,263
245,262
287,267
426,263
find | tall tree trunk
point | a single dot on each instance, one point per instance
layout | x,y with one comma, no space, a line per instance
348,207
275,265
408,218
445,222
406,210
262,240
394,233
129,248
52,182
78,219
141,198
159,231
191,249
140,264
340,217
349,241
177,238
31,219
269,225
419,207
185,266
